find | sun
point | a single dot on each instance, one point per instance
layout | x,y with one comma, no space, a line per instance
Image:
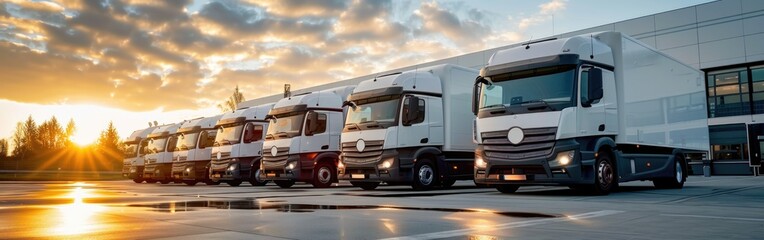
81,140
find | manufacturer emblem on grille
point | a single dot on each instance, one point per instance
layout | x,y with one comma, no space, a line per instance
515,135
360,145
274,151
219,155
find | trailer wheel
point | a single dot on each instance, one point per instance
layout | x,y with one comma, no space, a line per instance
504,188
425,175
365,185
234,183
190,182
324,176
284,183
254,178
138,180
675,182
605,179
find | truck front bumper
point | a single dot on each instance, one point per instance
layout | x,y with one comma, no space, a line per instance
158,171
375,171
289,170
229,169
543,170
135,172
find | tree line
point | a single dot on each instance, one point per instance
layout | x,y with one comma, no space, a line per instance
48,146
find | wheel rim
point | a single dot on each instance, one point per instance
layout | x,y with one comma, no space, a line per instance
257,176
605,174
679,173
324,175
426,175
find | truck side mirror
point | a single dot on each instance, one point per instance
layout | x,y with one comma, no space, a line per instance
312,124
410,110
595,91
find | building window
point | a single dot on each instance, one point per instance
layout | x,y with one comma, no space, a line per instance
757,79
728,93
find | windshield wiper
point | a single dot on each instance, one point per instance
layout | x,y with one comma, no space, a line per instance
537,104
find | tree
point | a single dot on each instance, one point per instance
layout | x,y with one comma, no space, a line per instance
25,138
51,135
109,145
18,140
233,101
69,132
3,148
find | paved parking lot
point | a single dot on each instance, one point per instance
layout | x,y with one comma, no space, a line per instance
707,208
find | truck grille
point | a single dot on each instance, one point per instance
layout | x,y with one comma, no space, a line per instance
538,142
151,161
370,154
126,167
223,155
181,159
278,161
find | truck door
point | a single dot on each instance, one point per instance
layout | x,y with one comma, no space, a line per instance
251,146
318,138
415,131
591,117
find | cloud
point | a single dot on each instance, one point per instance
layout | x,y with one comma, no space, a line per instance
545,13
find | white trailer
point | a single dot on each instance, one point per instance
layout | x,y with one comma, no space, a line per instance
589,112
410,128
158,158
191,158
237,150
132,165
303,139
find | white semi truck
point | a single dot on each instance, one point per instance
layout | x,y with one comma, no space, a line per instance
191,158
132,165
303,138
587,112
410,128
158,158
238,146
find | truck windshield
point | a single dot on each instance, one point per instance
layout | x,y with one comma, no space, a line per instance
286,126
374,114
228,135
130,150
157,145
187,141
550,86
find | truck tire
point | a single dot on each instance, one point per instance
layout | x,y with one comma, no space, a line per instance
284,183
675,182
138,180
190,182
324,175
425,175
504,188
151,181
365,185
254,178
164,181
605,176
234,183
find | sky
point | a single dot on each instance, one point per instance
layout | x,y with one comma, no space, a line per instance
135,61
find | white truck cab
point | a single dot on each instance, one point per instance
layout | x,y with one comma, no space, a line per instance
303,138
410,128
158,158
132,165
238,146
588,112
191,158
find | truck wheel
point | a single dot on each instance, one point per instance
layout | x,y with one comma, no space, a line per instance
254,178
425,175
234,183
605,179
164,181
324,176
151,181
365,185
448,183
675,182
190,182
138,180
503,188
209,182
284,183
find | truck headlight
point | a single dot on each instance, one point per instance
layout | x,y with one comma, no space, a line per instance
340,166
290,166
564,158
188,169
232,167
480,162
387,163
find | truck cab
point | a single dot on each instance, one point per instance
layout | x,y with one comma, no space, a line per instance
302,143
409,129
587,112
158,158
191,158
132,165
238,145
